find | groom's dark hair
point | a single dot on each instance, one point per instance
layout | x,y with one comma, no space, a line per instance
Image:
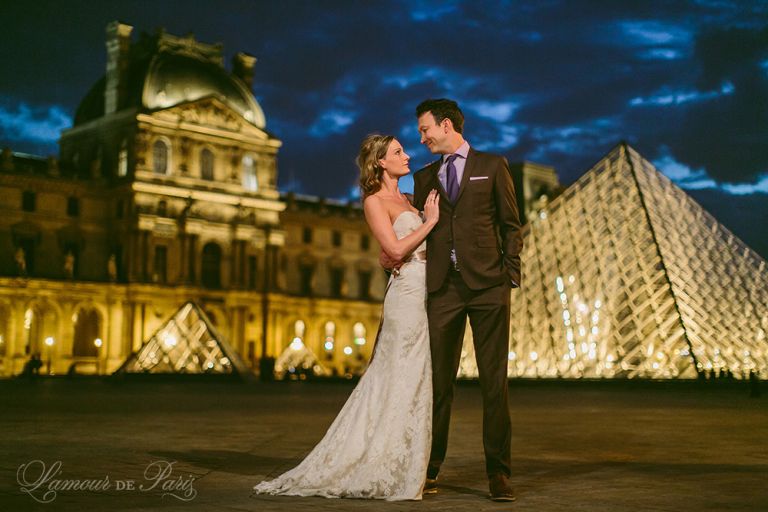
443,109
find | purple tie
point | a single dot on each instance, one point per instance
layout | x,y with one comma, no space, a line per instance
452,184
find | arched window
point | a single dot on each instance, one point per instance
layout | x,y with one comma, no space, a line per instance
122,159
87,333
206,164
250,182
160,157
358,330
40,328
211,267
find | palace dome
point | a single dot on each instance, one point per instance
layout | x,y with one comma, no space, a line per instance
159,75
173,79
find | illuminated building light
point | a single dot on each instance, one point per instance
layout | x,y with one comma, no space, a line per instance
512,356
297,344
348,350
534,356
328,345
170,341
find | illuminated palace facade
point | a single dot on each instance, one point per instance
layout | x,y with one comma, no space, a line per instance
165,191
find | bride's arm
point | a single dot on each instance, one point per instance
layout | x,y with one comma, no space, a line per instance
381,226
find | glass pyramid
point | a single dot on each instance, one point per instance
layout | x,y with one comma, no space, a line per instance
625,275
186,344
298,361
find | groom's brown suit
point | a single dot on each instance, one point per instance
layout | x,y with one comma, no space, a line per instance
483,227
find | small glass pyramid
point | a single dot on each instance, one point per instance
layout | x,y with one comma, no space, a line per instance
186,344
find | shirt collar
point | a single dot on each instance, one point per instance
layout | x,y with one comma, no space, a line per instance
462,151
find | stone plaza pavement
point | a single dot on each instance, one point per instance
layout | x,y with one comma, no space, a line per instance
577,446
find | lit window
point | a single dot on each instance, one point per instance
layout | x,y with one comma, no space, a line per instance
206,165
160,157
250,182
122,159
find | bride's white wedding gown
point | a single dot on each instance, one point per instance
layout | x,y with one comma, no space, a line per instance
378,446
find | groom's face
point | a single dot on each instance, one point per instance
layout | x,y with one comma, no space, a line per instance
433,135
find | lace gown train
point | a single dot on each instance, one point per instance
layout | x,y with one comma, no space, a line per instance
378,445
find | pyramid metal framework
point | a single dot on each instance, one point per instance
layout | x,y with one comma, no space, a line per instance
625,275
186,344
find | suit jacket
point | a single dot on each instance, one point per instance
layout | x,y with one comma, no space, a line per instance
483,226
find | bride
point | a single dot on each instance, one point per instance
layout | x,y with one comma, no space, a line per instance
378,446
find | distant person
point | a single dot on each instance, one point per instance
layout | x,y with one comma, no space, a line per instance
32,366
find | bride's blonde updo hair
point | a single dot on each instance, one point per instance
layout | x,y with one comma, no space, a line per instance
373,149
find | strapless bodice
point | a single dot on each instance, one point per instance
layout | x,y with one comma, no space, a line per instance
406,223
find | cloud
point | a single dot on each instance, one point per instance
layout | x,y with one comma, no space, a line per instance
430,11
499,111
760,186
654,32
681,174
660,54
665,98
332,122
41,124
698,179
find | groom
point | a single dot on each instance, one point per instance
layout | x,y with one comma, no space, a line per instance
473,260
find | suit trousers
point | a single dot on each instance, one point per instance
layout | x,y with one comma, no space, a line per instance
488,312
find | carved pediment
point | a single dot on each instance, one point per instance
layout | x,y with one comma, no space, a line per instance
209,112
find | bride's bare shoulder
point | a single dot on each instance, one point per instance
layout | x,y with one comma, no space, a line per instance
374,203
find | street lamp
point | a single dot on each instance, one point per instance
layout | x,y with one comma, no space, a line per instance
49,341
98,343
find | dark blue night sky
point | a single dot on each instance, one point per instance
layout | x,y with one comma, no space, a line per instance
556,82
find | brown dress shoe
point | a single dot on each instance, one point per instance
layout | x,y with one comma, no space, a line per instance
430,486
500,488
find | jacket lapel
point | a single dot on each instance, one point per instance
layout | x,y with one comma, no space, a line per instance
469,168
434,181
